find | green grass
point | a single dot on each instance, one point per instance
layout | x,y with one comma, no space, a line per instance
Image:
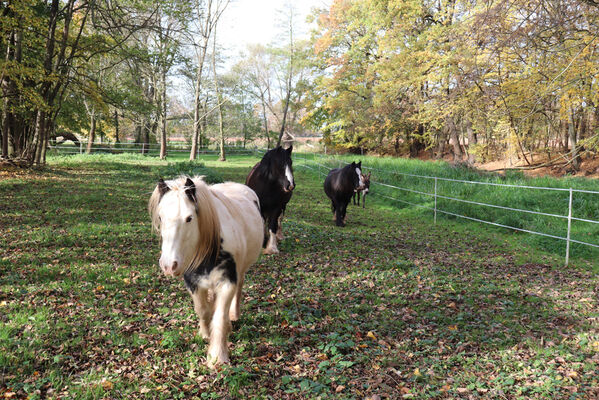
392,171
390,305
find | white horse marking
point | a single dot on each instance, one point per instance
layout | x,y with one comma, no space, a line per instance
289,176
360,177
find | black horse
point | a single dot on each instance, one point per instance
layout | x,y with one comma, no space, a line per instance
340,185
272,180
365,191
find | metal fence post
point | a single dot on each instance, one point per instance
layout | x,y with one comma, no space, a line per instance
569,226
80,147
435,199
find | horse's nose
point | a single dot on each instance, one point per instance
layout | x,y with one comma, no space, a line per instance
169,268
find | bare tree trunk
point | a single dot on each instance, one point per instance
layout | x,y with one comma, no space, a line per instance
204,125
265,122
162,117
289,77
221,131
197,109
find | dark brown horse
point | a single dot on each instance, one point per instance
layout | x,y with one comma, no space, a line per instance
340,185
272,180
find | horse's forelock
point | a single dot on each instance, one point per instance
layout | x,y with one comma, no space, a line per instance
207,216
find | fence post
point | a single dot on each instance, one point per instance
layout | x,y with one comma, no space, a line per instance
81,147
569,225
435,199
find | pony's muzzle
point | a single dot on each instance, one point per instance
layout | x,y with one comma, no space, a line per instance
169,268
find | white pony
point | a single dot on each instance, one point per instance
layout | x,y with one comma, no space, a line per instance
210,235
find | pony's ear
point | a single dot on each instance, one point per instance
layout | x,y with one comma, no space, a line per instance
289,150
360,164
190,190
162,187
353,164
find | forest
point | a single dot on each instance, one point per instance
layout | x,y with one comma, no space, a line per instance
468,80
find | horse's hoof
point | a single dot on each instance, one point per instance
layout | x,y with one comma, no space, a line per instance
270,251
204,333
215,358
214,363
280,237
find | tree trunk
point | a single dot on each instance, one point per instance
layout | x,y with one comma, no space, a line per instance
221,131
265,122
5,130
41,135
116,126
162,117
455,140
572,141
197,110
92,134
472,141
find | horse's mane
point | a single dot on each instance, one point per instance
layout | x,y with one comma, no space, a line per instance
271,156
207,216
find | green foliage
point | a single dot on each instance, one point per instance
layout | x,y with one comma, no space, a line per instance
411,72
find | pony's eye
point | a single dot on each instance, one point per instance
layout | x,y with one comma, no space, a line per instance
188,219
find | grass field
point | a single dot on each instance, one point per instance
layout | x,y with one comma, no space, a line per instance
389,305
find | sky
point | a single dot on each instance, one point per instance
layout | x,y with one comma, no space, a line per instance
255,21
250,22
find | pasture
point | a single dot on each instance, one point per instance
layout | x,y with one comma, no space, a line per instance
390,305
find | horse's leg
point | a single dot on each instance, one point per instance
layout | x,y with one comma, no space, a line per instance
353,197
203,308
280,227
334,209
344,212
273,222
236,303
340,215
221,324
364,200
359,197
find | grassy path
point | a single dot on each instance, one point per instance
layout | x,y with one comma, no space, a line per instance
387,306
